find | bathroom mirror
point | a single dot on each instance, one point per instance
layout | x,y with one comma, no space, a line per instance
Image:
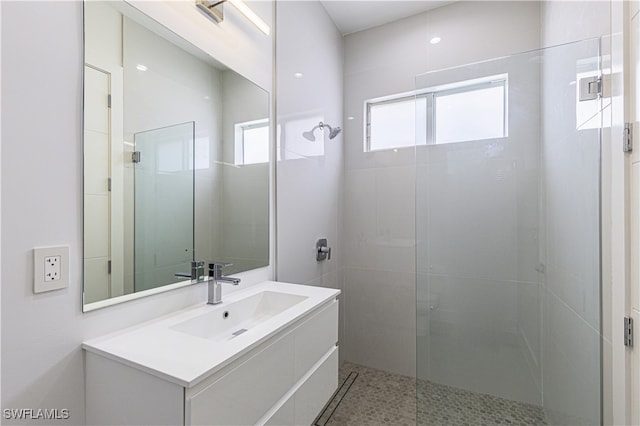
176,159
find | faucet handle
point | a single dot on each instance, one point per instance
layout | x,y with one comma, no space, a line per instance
326,251
323,251
218,265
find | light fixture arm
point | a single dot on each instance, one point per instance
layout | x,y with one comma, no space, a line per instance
213,10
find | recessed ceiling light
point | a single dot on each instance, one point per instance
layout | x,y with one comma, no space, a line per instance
435,40
141,67
298,75
351,117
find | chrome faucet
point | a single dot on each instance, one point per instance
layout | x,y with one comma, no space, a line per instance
215,280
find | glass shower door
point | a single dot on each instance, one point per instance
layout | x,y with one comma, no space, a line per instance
163,212
508,241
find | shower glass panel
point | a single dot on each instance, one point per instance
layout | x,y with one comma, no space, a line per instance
163,212
508,243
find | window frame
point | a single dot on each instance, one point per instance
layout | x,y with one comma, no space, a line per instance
430,95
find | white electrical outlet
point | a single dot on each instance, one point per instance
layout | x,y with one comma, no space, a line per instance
50,268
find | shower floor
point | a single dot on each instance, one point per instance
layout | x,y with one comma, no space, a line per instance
366,396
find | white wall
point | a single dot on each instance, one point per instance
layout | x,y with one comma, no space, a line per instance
380,186
309,174
570,222
42,365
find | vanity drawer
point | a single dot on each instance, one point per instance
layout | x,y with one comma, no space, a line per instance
316,390
270,379
242,396
310,395
315,337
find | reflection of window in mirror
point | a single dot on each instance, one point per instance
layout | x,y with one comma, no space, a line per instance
252,142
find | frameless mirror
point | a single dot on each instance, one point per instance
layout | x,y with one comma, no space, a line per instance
176,159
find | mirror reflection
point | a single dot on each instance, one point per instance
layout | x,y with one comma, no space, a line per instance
176,153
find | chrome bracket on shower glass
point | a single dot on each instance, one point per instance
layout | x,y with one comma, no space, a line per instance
590,88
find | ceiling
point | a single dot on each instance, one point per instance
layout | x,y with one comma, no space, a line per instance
351,16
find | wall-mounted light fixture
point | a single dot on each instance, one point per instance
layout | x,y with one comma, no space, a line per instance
213,9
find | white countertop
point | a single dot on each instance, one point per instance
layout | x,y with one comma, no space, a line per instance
186,360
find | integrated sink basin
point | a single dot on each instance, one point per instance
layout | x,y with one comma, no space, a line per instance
188,345
232,320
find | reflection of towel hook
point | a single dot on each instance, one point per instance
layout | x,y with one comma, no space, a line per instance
322,250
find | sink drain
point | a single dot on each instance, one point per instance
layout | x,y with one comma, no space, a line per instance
225,314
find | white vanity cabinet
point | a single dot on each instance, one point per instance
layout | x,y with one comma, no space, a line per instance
284,380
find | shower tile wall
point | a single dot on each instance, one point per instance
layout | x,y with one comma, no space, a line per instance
571,347
309,174
571,252
478,247
380,277
379,223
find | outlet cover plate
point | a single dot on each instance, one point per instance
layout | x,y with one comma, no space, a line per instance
40,268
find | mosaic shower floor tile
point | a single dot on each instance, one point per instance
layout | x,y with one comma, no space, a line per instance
366,396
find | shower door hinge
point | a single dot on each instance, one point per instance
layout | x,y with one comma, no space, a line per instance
135,156
590,88
109,184
627,143
108,266
628,331
108,101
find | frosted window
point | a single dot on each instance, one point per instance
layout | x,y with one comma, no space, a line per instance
461,111
470,115
393,124
252,142
256,145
